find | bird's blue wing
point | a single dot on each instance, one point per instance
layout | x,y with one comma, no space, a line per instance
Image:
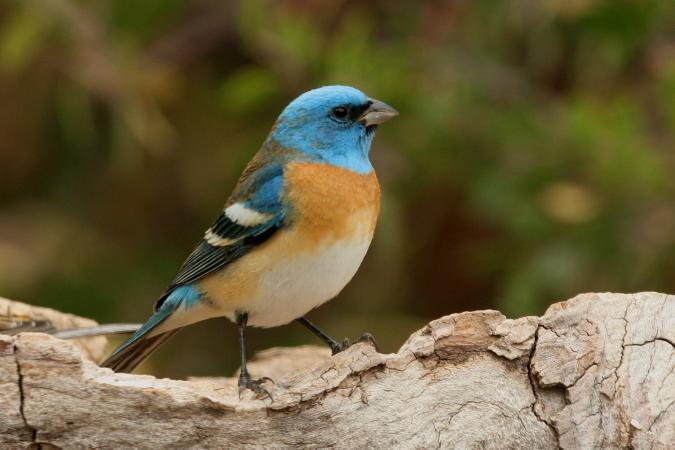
250,217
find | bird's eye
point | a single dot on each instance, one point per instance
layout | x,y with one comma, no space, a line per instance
340,112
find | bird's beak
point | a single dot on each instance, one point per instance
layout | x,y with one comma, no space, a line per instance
378,112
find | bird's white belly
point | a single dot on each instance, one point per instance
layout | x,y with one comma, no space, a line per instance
305,281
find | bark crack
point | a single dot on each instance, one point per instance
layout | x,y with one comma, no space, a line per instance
22,398
533,387
651,341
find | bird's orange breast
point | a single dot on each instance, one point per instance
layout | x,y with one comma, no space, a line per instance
331,202
330,221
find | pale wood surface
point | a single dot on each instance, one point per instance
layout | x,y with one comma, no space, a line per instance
596,371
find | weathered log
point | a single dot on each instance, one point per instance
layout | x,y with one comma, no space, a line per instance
596,371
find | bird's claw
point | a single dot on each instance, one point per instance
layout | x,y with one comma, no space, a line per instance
369,338
345,344
255,385
268,379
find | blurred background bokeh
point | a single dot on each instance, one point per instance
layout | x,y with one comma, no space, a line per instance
534,157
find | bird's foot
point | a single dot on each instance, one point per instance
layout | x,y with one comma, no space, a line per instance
255,385
345,344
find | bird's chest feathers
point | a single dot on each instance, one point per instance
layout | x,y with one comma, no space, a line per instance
329,229
331,203
330,221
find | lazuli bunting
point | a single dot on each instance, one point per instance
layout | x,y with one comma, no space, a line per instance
292,234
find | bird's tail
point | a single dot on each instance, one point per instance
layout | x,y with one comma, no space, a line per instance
134,350
131,354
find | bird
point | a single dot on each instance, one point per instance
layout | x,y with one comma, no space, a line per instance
291,235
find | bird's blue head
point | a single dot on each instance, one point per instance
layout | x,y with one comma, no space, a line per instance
333,125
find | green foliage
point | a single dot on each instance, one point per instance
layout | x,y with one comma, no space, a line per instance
22,34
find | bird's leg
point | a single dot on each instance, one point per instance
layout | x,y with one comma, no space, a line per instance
245,380
335,346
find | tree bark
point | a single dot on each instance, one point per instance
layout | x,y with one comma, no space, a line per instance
596,371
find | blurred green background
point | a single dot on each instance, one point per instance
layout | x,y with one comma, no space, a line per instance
534,157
